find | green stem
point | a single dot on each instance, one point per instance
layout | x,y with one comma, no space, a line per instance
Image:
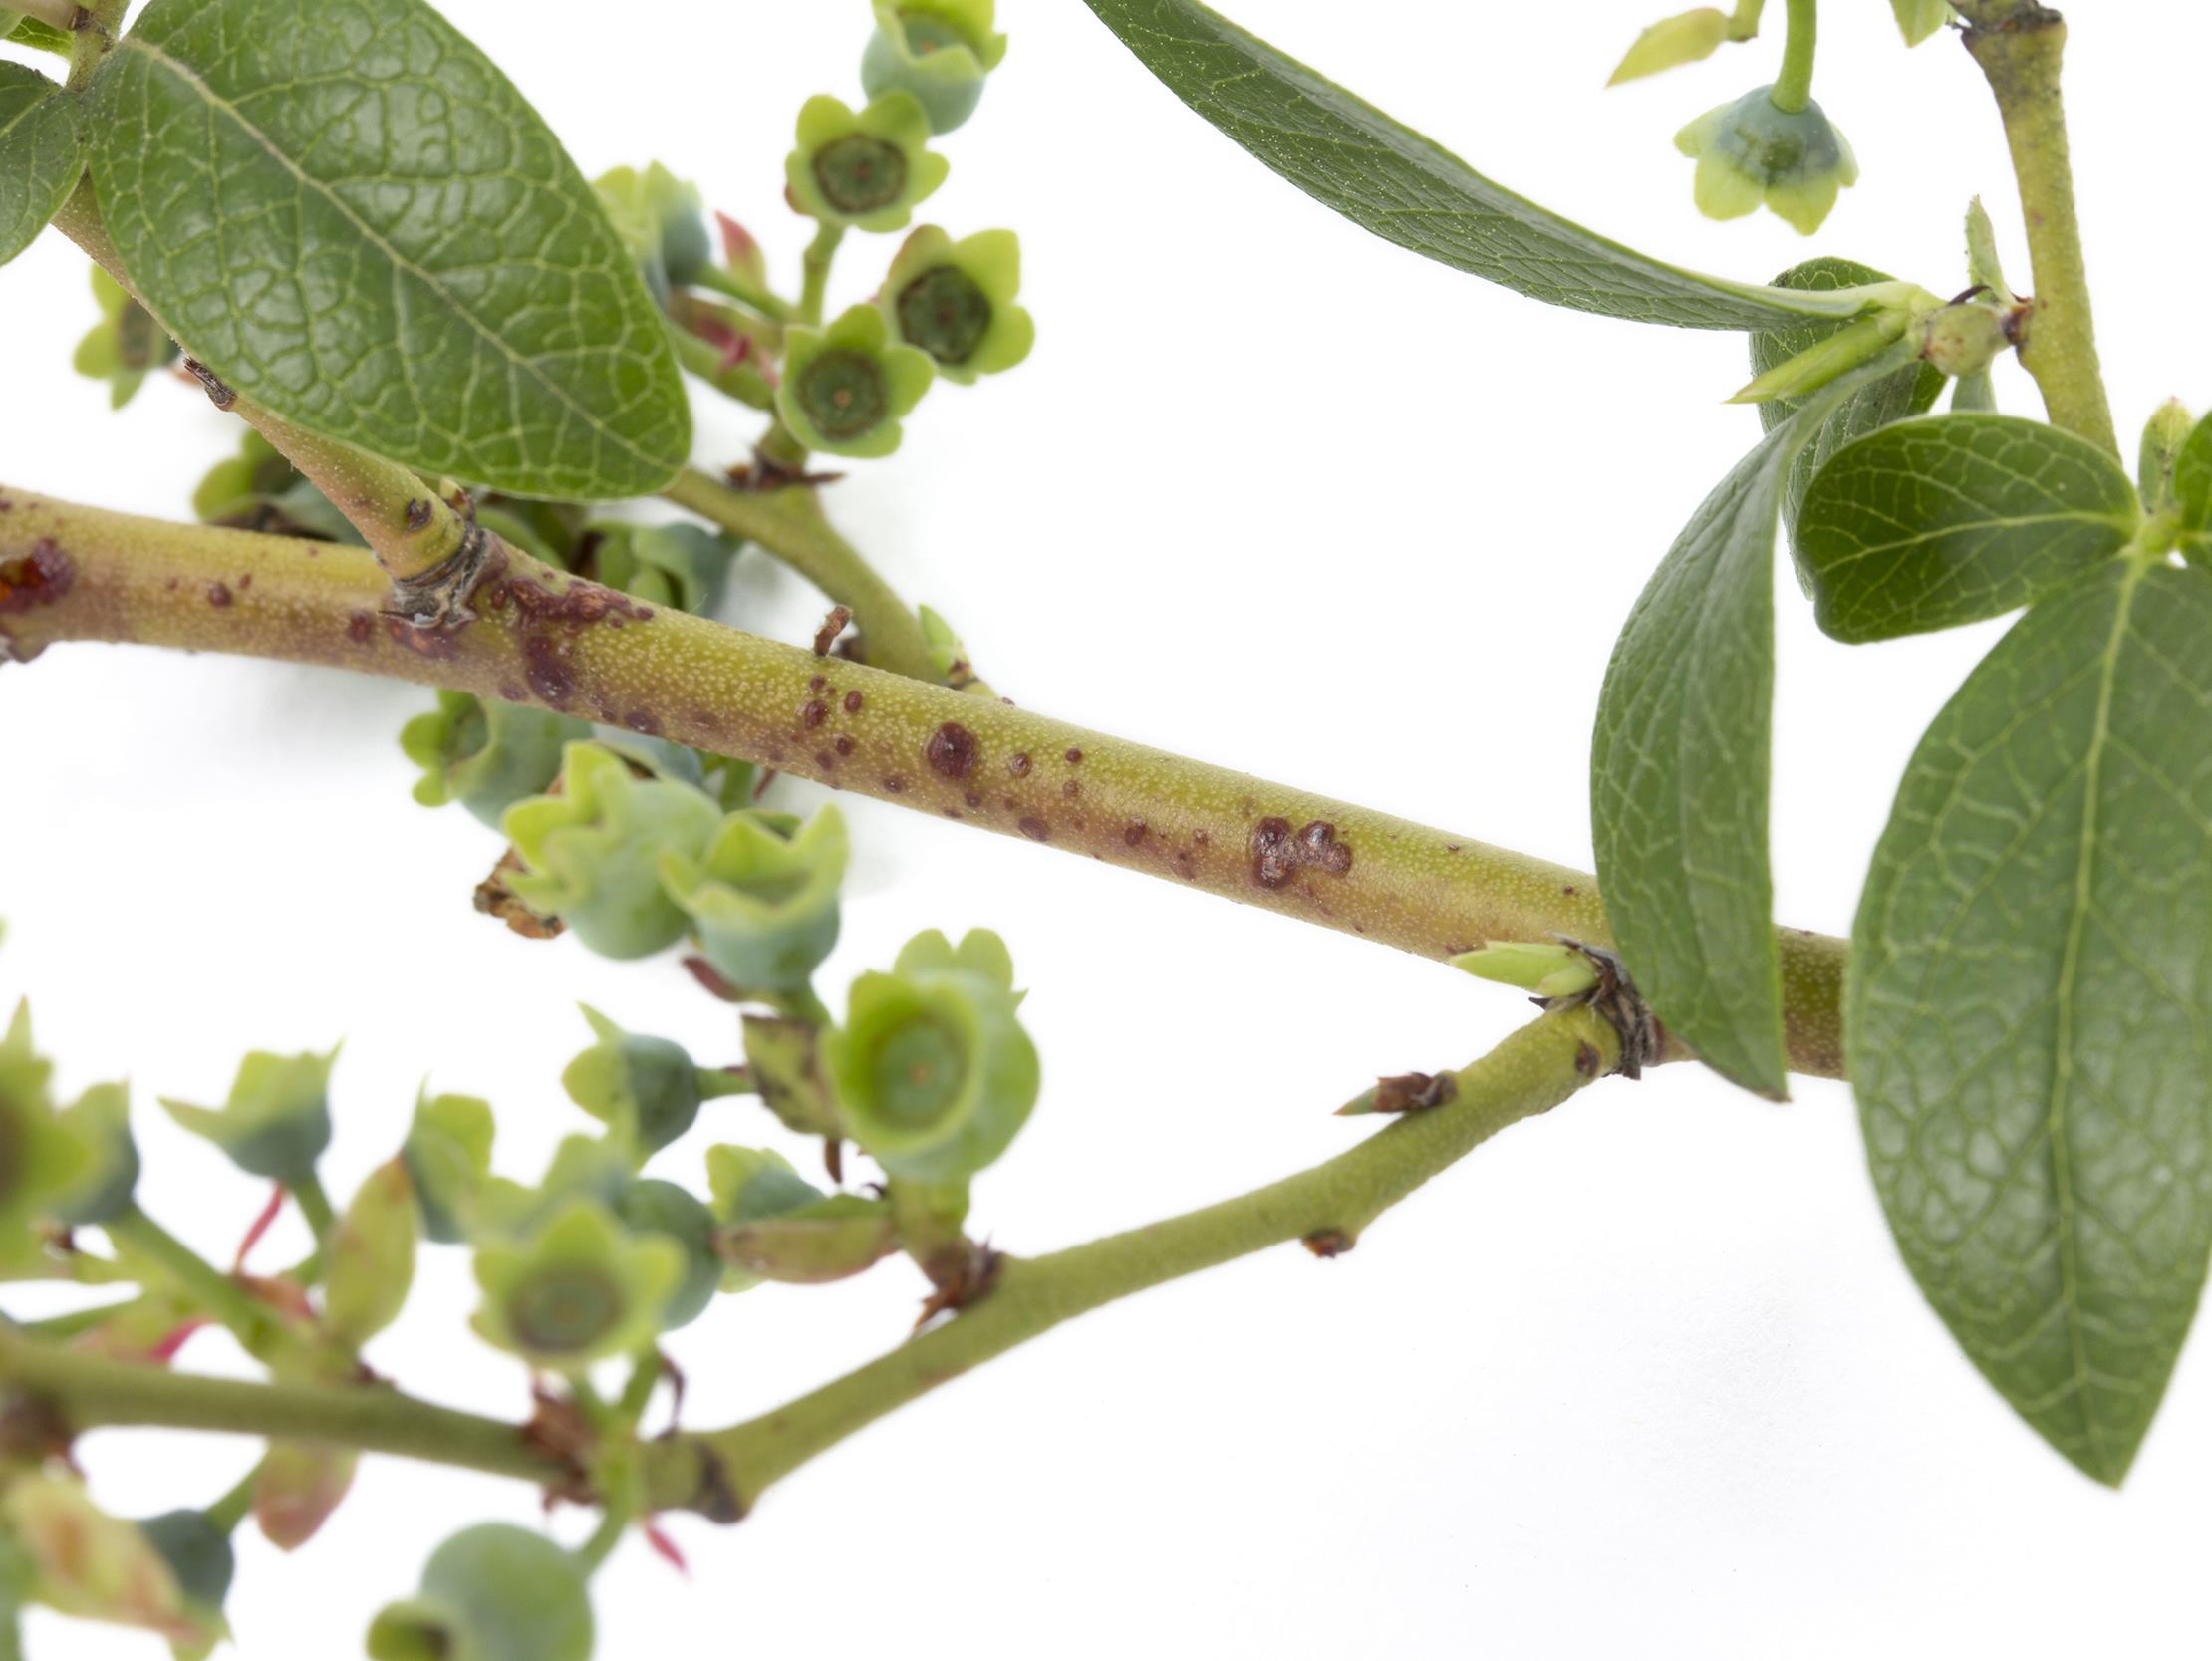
723,1472
1535,1069
2020,47
92,28
410,527
1793,89
720,281
315,1207
702,359
974,761
789,523
215,1293
234,1507
1743,22
613,1525
92,1391
817,266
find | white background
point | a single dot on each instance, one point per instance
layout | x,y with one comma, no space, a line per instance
1645,1376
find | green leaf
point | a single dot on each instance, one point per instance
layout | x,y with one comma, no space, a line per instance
42,154
1918,19
18,29
2192,489
2029,1009
1407,190
1950,519
1679,766
360,223
1907,392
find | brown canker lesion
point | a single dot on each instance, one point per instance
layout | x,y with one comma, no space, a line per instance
1280,853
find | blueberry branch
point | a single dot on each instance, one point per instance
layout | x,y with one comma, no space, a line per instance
92,1391
723,1472
1327,1206
2019,46
552,639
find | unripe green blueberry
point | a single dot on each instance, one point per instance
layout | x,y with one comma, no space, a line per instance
493,1592
653,1206
276,1122
646,1087
763,903
591,852
933,1073
937,51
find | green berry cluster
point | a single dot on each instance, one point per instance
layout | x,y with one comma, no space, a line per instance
944,309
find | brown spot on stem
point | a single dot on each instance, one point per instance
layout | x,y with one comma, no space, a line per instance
359,627
1319,845
1018,765
814,713
1277,854
952,750
1275,858
895,784
641,720
1412,1092
545,667
423,643
1035,830
38,578
1133,833
1586,1060
1328,1243
417,514
853,701
1074,758
218,594
844,744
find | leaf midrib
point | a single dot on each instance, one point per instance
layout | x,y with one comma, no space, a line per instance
559,394
2062,1059
2121,524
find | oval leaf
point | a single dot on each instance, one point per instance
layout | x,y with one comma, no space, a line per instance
1949,519
1910,390
1679,765
42,154
359,222
2028,1007
1407,190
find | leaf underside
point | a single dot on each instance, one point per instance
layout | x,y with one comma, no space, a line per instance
1407,190
357,223
1680,766
2029,1006
1950,519
42,154
1910,390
